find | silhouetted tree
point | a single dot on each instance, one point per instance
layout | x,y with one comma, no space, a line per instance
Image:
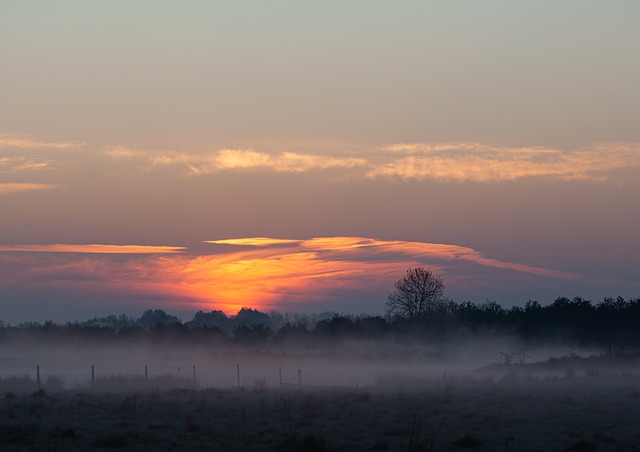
151,318
297,332
169,331
417,294
252,333
216,319
252,316
372,326
338,325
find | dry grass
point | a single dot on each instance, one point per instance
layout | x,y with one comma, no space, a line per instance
516,413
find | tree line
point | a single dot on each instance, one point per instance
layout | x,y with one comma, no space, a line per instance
576,320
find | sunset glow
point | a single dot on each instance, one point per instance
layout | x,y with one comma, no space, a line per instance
458,161
8,188
252,241
274,274
481,163
302,156
94,248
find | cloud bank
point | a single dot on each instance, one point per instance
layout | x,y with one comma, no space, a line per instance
457,162
93,249
441,162
484,163
23,155
9,188
266,273
28,143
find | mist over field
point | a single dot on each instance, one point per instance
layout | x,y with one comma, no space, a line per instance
329,349
432,374
325,383
348,363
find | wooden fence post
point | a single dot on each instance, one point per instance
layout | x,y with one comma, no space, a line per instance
280,372
146,372
93,374
299,377
38,374
194,373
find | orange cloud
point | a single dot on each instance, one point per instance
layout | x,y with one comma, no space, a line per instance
367,246
266,278
453,252
238,160
25,143
21,163
485,163
457,161
8,187
93,248
253,241
313,268
272,274
121,152
283,162
338,243
23,154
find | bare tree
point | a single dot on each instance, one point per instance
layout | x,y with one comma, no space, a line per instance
418,293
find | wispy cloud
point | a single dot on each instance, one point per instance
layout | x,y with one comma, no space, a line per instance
485,163
92,248
243,159
16,164
370,247
122,152
278,273
26,143
461,162
9,187
454,252
261,272
238,160
20,154
283,162
253,241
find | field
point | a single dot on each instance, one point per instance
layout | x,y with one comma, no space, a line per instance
571,404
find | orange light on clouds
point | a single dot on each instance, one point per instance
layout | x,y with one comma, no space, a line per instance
271,274
486,163
252,241
7,187
27,143
94,248
339,243
268,278
313,269
454,161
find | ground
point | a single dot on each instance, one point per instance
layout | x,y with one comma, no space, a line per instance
502,411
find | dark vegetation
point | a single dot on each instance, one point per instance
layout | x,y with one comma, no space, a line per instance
415,394
570,321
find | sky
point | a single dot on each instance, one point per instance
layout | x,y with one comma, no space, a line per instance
301,156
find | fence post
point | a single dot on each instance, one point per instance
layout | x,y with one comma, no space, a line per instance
38,374
93,374
280,372
146,372
299,377
238,373
194,373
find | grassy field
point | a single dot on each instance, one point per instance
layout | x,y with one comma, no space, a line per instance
503,410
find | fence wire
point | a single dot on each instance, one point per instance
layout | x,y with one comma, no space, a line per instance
205,376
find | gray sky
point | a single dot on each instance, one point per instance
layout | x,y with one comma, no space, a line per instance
505,127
